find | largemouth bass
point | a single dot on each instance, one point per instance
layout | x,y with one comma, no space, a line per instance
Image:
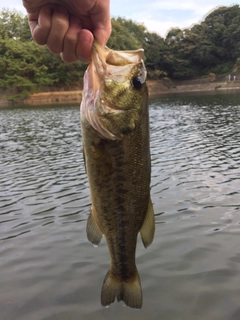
115,131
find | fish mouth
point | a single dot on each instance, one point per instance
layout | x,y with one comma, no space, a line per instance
114,64
114,57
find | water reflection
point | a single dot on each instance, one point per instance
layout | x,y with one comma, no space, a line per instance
191,271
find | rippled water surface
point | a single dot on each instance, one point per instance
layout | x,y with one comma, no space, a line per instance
48,270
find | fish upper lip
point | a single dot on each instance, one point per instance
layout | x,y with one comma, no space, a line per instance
100,51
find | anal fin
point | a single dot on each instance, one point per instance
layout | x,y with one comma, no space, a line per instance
148,227
94,234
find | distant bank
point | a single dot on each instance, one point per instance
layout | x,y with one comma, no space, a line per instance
156,88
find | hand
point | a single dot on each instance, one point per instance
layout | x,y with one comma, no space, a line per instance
68,27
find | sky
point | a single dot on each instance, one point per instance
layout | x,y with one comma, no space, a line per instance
157,15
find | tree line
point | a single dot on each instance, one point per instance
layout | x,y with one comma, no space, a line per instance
212,46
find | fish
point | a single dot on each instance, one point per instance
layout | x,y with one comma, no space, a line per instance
115,133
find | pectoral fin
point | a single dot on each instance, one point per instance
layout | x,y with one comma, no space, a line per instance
148,228
94,234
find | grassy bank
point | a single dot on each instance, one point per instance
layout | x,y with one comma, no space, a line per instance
155,88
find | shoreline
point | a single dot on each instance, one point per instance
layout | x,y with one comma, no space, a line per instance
156,88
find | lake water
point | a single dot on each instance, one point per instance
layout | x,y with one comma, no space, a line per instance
48,269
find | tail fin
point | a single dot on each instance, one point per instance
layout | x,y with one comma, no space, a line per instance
128,291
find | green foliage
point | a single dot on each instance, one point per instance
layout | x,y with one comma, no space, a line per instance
213,46
14,25
65,73
122,38
26,67
19,68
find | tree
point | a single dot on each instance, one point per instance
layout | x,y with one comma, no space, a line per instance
21,67
121,38
213,46
154,51
14,24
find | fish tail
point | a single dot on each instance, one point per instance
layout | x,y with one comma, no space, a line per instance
129,291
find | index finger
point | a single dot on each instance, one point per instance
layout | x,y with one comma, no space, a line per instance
40,23
100,17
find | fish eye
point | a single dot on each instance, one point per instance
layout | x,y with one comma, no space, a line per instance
137,82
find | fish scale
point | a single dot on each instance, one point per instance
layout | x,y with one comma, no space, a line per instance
117,158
